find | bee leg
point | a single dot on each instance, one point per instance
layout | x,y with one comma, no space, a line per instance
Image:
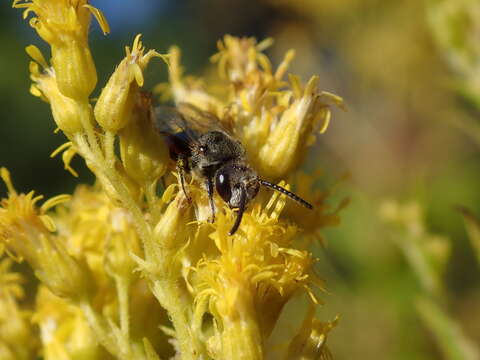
181,173
209,184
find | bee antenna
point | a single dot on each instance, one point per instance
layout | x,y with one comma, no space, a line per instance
286,192
241,209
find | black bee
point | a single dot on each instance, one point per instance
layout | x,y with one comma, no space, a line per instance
201,145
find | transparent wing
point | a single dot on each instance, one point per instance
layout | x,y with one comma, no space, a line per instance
188,120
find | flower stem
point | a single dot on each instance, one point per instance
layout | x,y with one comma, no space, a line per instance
122,284
172,298
101,329
110,147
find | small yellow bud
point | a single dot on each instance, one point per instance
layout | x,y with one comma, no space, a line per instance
121,243
310,342
171,232
75,70
286,144
64,24
116,102
143,151
64,275
65,111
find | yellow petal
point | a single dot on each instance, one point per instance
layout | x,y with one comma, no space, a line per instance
102,21
36,55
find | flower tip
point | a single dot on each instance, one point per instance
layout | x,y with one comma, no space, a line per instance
265,44
102,21
5,175
137,44
35,91
54,201
35,53
311,85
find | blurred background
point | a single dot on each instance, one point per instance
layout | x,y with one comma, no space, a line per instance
401,269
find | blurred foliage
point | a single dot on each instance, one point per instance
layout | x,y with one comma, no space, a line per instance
407,71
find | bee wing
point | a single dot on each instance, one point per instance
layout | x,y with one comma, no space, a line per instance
201,121
169,121
187,120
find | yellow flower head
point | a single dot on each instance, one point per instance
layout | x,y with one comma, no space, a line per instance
17,338
28,233
310,342
20,218
142,149
64,331
65,111
257,268
114,108
187,89
64,24
275,120
94,229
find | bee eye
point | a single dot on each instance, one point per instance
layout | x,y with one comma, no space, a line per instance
222,184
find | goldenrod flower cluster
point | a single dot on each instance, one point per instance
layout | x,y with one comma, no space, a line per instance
131,268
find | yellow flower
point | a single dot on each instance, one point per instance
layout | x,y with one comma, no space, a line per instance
310,342
28,232
275,120
17,338
246,286
187,89
64,24
65,111
222,294
114,108
64,331
104,235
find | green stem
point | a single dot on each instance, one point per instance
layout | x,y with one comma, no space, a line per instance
123,286
103,332
241,336
169,295
166,290
153,205
110,148
86,118
172,298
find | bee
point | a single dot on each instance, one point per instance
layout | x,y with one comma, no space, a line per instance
201,145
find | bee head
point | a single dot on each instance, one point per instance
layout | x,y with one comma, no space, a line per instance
237,185
232,180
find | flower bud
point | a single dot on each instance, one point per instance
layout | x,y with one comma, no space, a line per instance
143,151
74,69
114,107
120,244
64,25
65,111
171,232
286,144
